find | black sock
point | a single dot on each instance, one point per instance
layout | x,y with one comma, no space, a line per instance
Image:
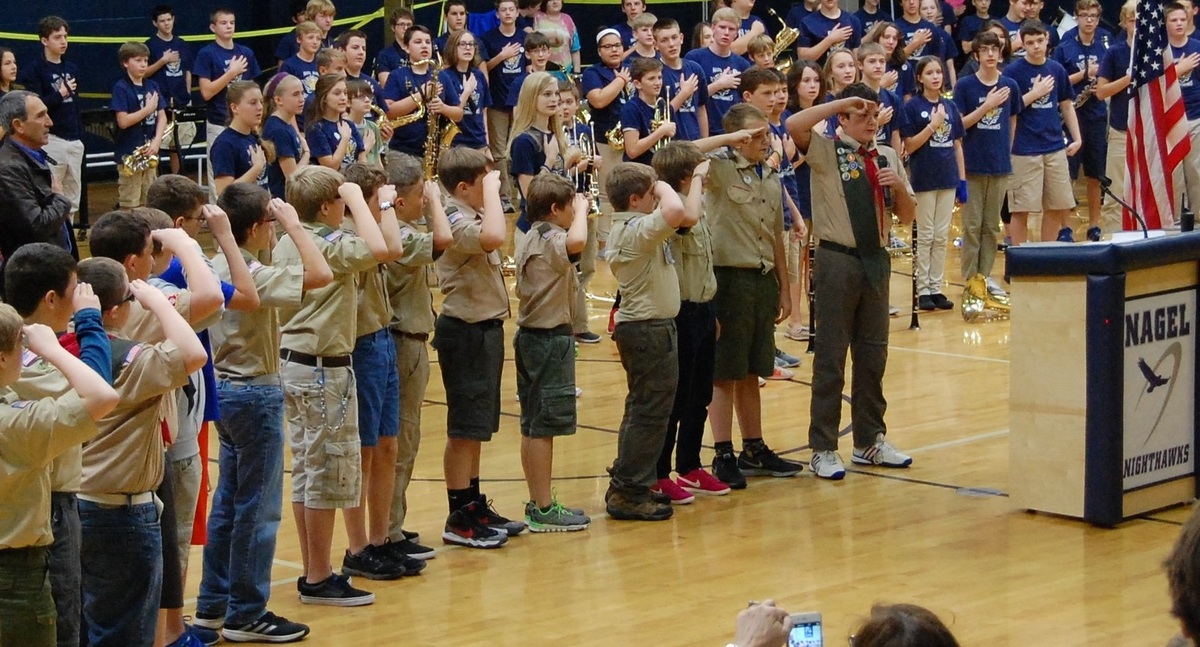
474,487
459,498
724,447
752,444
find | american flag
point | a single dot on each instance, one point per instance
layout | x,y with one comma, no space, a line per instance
1158,135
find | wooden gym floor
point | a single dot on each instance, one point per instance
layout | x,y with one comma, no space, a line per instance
941,534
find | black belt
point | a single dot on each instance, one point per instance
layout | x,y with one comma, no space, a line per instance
563,330
316,361
419,336
841,249
28,555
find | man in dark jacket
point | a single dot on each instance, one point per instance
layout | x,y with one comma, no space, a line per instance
32,206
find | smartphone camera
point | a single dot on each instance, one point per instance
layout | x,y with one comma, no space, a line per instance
806,630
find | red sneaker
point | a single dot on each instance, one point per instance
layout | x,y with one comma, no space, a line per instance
699,481
678,495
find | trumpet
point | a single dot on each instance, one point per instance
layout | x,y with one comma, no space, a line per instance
141,159
662,113
587,145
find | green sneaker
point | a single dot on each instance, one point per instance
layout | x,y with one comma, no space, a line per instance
555,519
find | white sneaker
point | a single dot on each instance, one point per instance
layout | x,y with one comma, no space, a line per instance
994,288
881,453
827,465
578,392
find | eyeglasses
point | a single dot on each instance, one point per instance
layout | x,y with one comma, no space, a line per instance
467,45
611,46
128,297
1088,16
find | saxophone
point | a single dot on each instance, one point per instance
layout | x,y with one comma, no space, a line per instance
141,159
405,120
438,135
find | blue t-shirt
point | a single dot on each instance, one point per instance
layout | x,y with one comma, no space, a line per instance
501,77
628,38
1039,125
172,76
713,66
130,98
935,158
1075,57
816,27
796,15
1189,87
932,48
527,156
230,156
787,174
323,139
1014,30
906,84
891,100
687,119
1115,65
868,20
304,70
969,27
287,144
597,77
401,83
471,131
748,24
392,57
44,79
636,115
174,275
946,45
211,63
985,145
288,45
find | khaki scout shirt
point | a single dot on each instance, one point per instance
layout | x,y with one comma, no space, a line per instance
694,263
469,277
831,218
144,326
374,311
324,323
745,212
127,456
407,286
39,379
642,261
34,432
546,278
245,344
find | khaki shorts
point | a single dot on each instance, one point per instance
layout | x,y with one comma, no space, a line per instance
1040,183
132,190
185,134
322,415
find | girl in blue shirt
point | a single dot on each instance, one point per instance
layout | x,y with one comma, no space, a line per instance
236,155
286,149
462,78
899,75
933,138
540,143
333,141
806,88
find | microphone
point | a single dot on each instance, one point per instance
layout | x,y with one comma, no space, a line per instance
1106,186
882,163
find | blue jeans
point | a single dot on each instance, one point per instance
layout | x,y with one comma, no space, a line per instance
122,573
246,506
378,385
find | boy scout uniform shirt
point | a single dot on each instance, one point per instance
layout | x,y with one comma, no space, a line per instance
546,278
245,344
694,263
831,217
373,311
127,456
34,432
644,266
407,286
144,326
746,212
324,324
39,379
469,277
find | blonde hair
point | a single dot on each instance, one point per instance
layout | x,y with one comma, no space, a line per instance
10,328
311,187
725,14
525,112
307,27
643,20
1128,10
316,8
760,44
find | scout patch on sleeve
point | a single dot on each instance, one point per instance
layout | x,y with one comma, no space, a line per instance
28,357
21,404
255,266
133,352
334,236
455,217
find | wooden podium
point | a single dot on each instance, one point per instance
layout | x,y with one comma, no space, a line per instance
1103,391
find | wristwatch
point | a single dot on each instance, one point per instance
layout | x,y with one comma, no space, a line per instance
384,206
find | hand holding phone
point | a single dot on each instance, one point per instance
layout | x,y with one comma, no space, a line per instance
806,630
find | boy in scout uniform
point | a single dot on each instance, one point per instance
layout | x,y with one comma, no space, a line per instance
377,384
246,506
122,550
41,284
412,321
745,203
853,267
32,434
644,267
469,339
544,346
318,383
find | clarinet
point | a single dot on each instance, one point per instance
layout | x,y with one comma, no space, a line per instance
810,259
914,323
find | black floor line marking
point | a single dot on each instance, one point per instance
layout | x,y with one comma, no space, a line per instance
1169,522
906,479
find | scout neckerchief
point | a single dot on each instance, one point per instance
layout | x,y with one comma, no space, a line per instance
864,202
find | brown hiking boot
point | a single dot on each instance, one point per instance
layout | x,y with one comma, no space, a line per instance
621,506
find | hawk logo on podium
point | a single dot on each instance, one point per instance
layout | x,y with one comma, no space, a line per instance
1159,386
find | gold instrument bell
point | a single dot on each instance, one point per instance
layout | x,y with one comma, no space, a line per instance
784,41
980,305
141,159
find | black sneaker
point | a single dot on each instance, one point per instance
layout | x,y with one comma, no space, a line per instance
408,548
725,468
334,591
941,302
410,535
214,621
1093,234
1066,235
270,628
372,564
394,551
487,516
661,498
926,302
759,460
464,529
588,337
624,508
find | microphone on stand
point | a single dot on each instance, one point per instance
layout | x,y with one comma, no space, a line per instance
1106,186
